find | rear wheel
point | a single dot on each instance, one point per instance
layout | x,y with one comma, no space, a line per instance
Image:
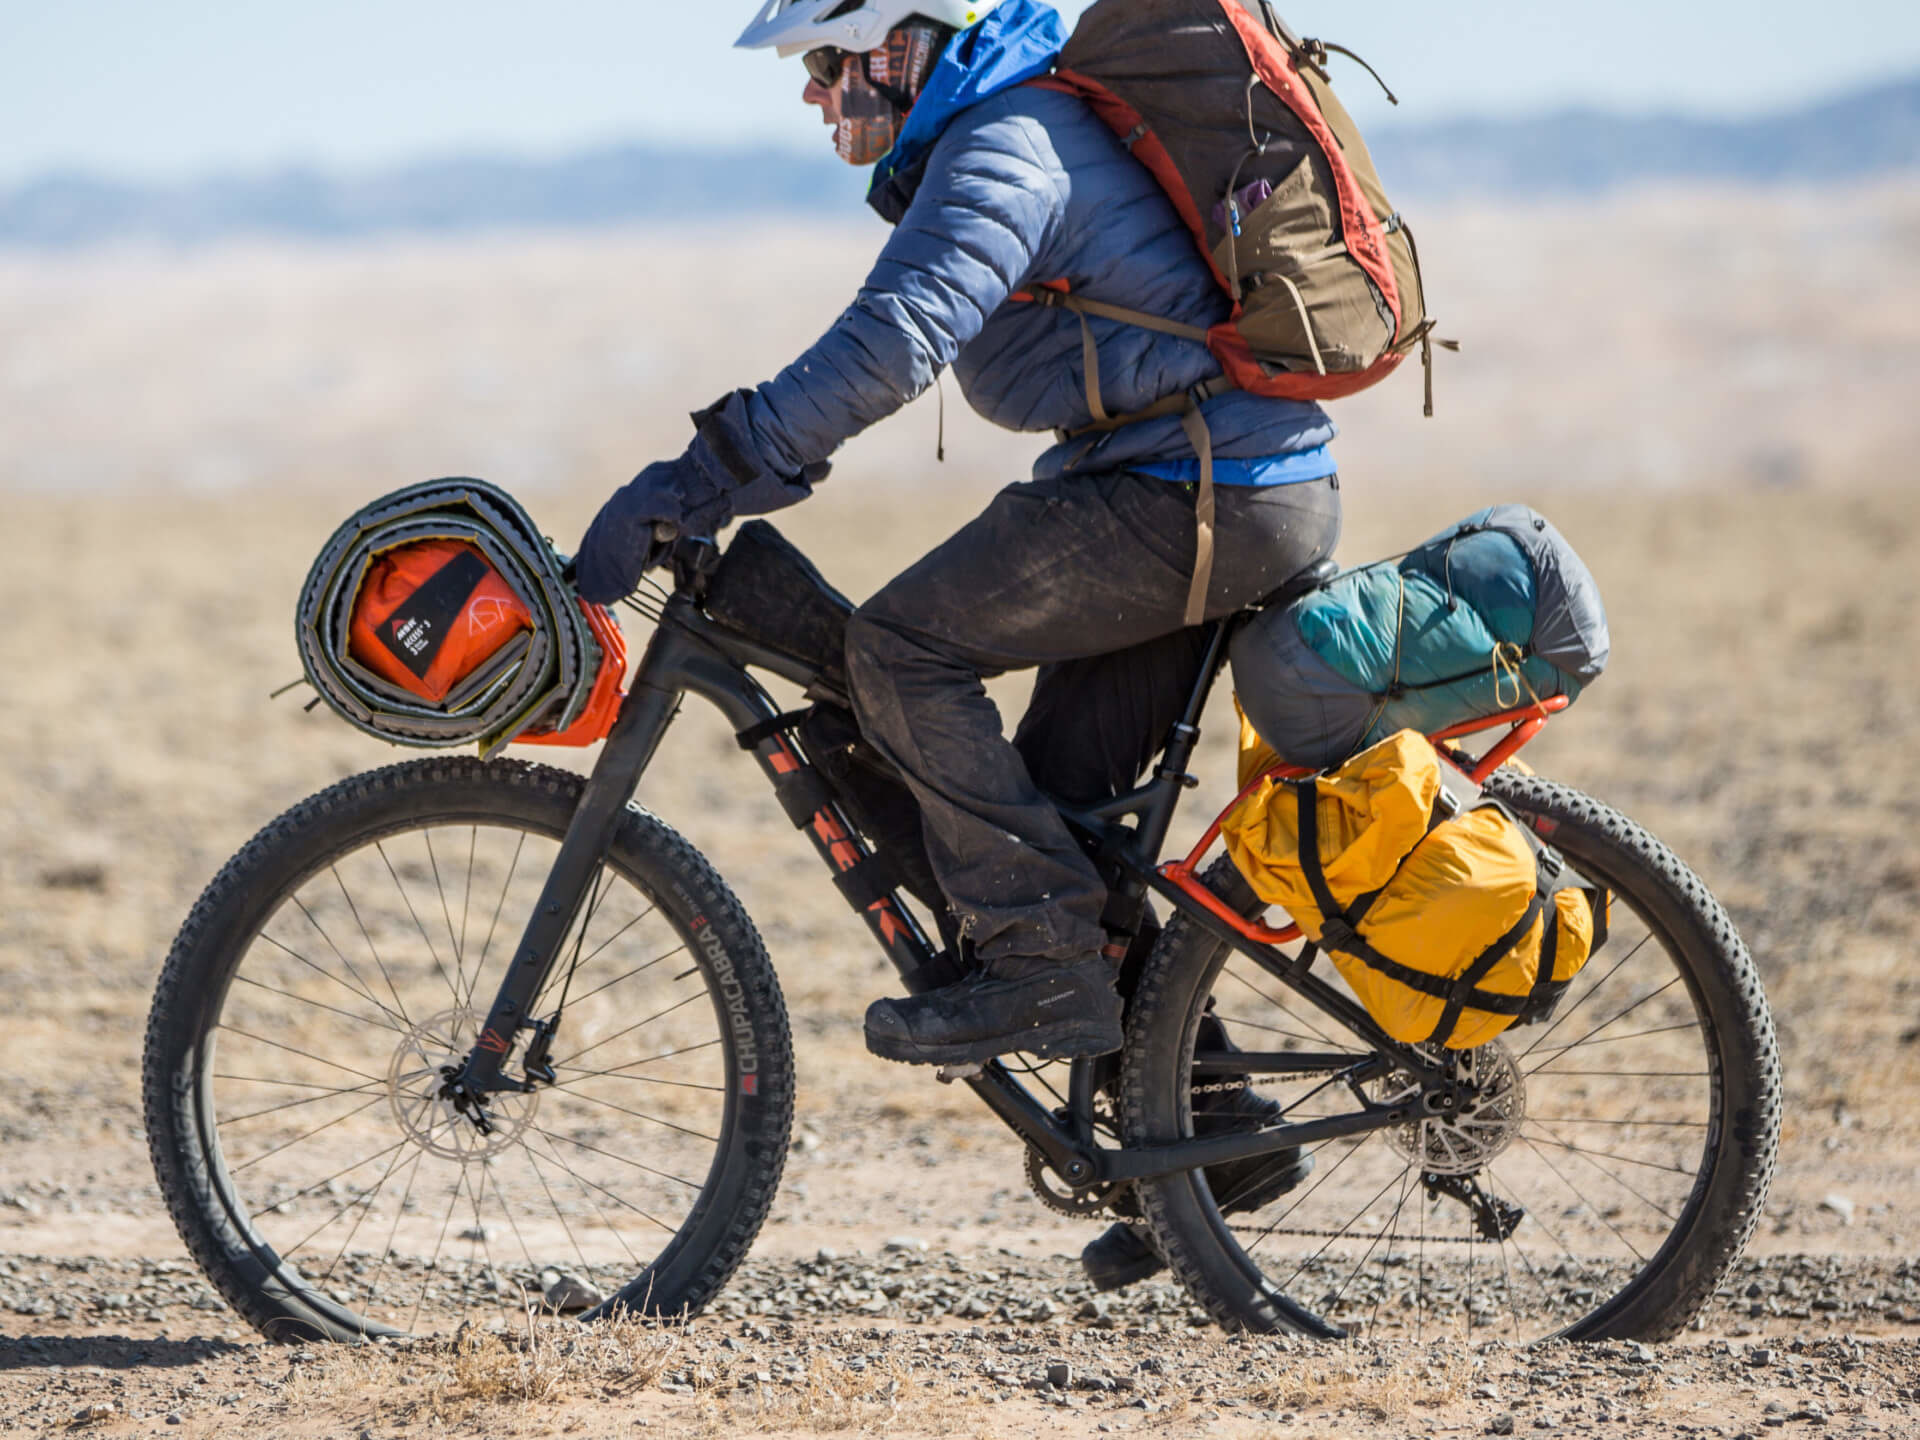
1611,1177
352,950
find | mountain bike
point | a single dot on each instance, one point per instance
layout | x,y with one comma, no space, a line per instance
454,1036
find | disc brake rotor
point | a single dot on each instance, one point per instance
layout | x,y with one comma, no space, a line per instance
1486,1124
434,1124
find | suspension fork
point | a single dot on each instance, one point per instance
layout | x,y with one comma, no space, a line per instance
630,746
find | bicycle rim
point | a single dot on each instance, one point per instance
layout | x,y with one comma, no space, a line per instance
366,1195
1555,1209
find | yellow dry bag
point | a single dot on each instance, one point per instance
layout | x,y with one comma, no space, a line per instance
1447,921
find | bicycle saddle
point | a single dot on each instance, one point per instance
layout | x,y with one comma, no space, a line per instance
1315,577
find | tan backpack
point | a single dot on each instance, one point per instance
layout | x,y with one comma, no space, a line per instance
1235,117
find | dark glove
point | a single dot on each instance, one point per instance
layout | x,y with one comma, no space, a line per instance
721,475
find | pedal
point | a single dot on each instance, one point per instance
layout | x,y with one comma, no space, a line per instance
947,1074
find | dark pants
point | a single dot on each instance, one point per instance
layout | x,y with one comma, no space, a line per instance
1085,577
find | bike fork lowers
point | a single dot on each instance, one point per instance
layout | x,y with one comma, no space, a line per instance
630,745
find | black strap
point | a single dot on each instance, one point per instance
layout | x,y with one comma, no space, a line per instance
1546,989
1463,991
867,882
754,736
1339,929
1306,799
803,794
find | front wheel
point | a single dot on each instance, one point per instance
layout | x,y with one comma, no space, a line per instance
349,953
1605,1190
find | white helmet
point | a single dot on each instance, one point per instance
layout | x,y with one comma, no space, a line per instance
797,26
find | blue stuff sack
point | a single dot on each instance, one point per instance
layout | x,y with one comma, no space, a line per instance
1487,616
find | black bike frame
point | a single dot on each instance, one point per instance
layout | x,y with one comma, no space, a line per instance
690,654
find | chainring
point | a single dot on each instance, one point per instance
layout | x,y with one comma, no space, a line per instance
1079,1204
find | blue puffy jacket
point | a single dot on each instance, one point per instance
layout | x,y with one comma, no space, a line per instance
995,186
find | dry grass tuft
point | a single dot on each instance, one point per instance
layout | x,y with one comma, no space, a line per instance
832,1398
448,1380
1411,1380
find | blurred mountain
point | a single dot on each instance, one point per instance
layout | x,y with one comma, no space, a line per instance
1856,136
1867,133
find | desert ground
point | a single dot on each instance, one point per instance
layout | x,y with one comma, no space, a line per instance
1706,394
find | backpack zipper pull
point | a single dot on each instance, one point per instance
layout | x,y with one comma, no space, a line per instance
1317,51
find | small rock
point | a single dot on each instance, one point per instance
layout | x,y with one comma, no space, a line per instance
1841,1205
93,1414
1501,1424
906,1245
1060,1375
1486,1392
568,1294
477,1234
1759,1356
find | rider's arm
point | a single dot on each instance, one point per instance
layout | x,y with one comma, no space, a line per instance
992,201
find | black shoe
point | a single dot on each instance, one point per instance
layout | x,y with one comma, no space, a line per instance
1053,1009
1121,1256
1124,1254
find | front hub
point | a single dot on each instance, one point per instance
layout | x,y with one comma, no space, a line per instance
432,1108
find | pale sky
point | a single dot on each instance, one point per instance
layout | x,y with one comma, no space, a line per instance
157,89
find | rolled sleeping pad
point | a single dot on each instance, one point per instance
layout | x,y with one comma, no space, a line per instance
1486,616
542,677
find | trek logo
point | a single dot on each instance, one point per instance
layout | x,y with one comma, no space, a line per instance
491,1040
733,996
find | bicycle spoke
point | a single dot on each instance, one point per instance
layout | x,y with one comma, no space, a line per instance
1614,1021
595,1149
407,900
554,1201
637,1025
588,1186
466,894
1587,1155
453,1201
304,1000
446,910
642,1115
360,987
620,1070
1285,1010
1606,1155
340,1120
638,969
1583,1199
640,1079
1616,1039
293,1104
1407,1177
367,936
333,1064
494,924
1593,990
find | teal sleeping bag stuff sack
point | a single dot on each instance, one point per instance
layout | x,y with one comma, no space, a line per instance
1487,616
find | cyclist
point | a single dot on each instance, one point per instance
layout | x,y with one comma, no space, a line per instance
995,186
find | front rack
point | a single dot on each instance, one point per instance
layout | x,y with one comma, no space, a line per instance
1523,725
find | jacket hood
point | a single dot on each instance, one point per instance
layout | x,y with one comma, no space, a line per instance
1018,42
